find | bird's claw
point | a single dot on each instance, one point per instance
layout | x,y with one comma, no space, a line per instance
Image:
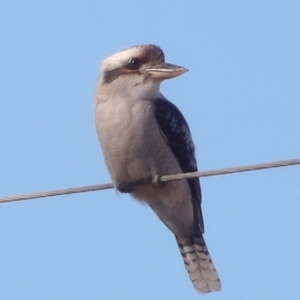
156,182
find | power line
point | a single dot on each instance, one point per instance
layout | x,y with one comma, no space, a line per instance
98,187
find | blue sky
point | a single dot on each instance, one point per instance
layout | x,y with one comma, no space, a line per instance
241,99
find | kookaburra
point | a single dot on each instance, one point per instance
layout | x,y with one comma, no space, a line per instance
145,136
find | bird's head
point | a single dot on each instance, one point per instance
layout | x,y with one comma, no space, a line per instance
139,66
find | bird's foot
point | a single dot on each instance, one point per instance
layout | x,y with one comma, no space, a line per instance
156,182
125,187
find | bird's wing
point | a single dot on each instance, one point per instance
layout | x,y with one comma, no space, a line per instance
176,133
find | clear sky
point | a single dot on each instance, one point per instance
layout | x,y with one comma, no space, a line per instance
241,99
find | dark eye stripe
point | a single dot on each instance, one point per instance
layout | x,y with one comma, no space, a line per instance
132,65
111,75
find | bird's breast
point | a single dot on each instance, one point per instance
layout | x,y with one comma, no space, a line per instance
130,139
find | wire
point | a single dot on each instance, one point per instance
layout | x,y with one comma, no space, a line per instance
91,188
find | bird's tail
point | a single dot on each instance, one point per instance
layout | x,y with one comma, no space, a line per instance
198,263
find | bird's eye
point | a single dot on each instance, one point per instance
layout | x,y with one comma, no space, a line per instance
134,64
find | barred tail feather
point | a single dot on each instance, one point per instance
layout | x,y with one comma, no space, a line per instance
198,263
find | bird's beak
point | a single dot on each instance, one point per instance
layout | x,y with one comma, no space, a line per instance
165,71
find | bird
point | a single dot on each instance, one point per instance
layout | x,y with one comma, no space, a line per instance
144,136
